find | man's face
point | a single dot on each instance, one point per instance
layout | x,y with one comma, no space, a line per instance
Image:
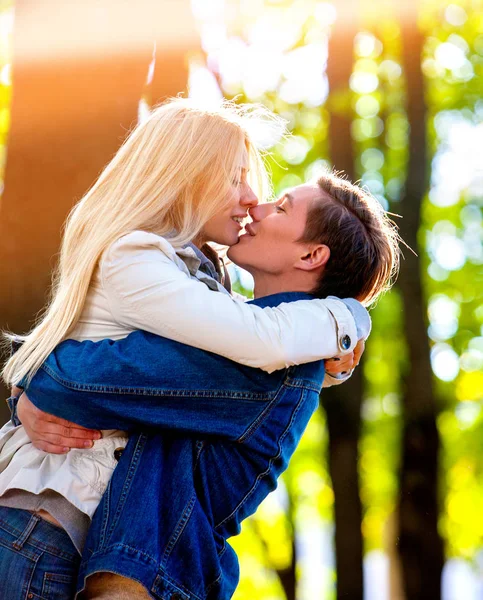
270,244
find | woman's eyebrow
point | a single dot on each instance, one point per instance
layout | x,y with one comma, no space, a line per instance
289,199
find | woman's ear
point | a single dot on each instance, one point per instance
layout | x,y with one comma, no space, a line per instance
315,258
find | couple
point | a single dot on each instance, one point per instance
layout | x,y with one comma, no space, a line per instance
215,407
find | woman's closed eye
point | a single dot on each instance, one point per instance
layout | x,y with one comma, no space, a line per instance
280,208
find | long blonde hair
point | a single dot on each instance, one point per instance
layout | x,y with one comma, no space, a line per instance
170,176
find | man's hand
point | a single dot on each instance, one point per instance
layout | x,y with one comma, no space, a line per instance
52,434
347,362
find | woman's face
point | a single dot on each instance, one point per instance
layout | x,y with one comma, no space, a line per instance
225,226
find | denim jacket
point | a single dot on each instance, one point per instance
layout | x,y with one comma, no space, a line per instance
178,494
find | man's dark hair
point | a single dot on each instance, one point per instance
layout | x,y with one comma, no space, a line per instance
363,241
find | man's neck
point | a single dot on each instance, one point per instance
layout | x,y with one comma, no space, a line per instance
293,282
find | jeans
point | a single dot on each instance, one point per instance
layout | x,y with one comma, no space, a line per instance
37,559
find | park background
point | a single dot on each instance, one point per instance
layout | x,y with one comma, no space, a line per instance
384,497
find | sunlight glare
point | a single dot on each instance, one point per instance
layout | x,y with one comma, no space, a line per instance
363,83
448,251
366,44
372,159
325,13
203,87
445,362
304,70
277,31
367,106
208,10
6,75
450,56
443,315
295,149
455,15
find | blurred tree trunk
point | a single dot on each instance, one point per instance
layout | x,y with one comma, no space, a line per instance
77,81
288,576
343,403
420,545
343,409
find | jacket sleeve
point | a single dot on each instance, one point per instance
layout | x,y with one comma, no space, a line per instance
364,325
147,290
199,414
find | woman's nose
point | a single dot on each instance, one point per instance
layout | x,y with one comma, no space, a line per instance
249,198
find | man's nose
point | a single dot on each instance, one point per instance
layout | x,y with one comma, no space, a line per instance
249,198
259,212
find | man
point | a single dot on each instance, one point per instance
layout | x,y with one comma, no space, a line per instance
195,489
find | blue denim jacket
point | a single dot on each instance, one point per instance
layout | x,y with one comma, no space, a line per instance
177,495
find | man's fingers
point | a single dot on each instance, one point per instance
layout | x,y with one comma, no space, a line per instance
358,351
53,439
66,431
343,364
50,448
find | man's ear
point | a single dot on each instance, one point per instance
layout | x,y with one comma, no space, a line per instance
315,258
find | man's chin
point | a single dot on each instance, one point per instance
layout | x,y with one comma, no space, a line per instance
229,252
235,254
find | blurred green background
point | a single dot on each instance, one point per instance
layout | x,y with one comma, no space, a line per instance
384,497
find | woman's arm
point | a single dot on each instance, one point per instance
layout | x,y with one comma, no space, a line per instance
147,290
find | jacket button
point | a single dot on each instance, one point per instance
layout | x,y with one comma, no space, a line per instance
345,342
118,453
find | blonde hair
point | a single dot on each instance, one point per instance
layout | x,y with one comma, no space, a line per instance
170,176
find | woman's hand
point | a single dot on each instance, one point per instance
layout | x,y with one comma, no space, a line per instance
52,434
347,362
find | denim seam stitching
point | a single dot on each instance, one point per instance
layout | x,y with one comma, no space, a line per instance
302,383
214,582
29,583
269,467
50,580
179,528
259,420
38,545
128,482
109,550
25,552
174,582
136,391
105,514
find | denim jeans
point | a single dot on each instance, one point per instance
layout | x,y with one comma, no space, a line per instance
37,559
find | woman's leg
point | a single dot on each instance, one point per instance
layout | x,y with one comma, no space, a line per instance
37,559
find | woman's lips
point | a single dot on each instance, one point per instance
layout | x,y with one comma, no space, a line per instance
249,229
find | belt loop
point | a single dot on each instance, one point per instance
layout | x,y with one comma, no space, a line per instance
18,543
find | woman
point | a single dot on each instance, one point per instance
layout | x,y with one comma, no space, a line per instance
129,260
